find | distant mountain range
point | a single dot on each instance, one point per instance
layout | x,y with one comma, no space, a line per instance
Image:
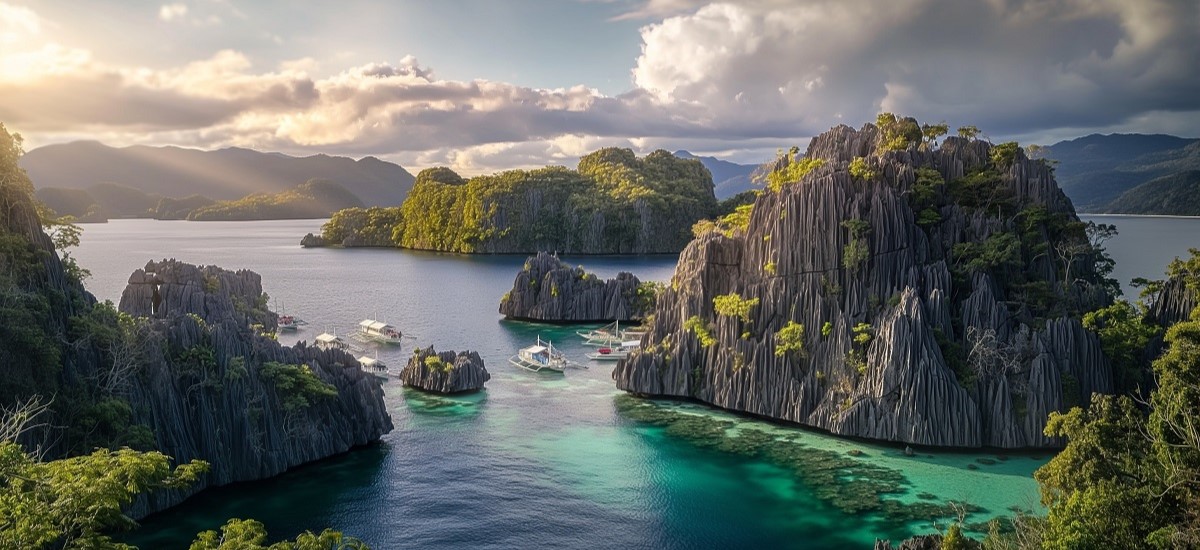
1127,173
729,178
225,174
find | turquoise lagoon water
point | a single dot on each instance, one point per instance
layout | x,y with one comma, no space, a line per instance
546,460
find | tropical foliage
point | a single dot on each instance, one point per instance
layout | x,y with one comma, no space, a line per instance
613,203
74,502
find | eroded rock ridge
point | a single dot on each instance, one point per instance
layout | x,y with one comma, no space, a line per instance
937,292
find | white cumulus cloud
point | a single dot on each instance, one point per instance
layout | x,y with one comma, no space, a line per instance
172,12
738,79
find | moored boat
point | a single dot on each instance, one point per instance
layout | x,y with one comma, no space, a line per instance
328,340
371,330
615,353
541,356
375,367
611,335
287,323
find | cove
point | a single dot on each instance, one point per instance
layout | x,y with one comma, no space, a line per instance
554,460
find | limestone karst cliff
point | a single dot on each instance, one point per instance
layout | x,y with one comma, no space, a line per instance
898,291
216,387
547,289
445,372
190,371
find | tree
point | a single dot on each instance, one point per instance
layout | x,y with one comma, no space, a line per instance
1124,332
790,339
733,305
931,132
988,356
970,132
1128,479
239,534
788,169
72,502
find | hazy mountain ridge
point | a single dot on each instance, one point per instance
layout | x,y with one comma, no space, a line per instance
1175,194
1095,170
225,174
315,198
729,178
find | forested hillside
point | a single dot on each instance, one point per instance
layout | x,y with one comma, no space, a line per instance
614,203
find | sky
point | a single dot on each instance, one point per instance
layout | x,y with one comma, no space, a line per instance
485,85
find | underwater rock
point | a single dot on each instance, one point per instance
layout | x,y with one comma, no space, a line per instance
445,372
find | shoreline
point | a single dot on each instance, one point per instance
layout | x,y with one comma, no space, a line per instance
1081,214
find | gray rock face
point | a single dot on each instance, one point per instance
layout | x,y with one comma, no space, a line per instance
313,241
549,290
450,372
921,318
1174,303
211,388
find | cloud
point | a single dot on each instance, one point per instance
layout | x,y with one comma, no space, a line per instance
172,12
18,23
1008,66
735,79
657,9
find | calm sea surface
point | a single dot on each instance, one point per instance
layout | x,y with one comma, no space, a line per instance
542,460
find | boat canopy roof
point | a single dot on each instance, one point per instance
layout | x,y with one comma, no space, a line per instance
368,361
327,338
374,325
536,349
631,343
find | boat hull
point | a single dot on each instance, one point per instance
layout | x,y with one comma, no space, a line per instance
531,366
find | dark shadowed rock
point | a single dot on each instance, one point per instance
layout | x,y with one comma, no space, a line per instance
907,383
445,372
547,289
216,388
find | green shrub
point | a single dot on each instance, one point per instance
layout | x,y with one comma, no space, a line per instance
733,305
861,170
296,385
696,326
1005,154
790,339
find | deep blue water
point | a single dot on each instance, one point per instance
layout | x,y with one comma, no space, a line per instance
536,460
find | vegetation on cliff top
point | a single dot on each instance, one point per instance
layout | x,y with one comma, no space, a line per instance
1129,476
65,366
311,199
613,203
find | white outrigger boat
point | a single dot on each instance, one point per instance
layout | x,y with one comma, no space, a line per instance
328,340
609,336
370,330
375,367
615,353
541,356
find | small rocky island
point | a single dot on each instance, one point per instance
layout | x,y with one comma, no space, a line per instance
445,372
548,290
613,203
888,287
